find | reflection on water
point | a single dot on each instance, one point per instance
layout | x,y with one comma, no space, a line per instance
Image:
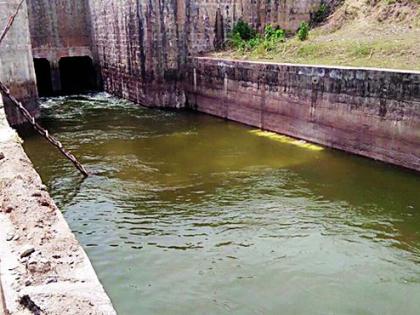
189,214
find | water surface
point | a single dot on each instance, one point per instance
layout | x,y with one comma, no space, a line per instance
190,214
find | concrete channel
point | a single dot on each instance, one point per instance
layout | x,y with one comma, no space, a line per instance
42,265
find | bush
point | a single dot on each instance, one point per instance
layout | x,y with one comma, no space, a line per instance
303,31
244,38
271,33
245,31
273,36
236,41
253,42
241,35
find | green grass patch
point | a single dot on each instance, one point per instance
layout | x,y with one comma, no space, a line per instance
361,50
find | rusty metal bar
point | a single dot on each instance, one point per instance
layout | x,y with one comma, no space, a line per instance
11,21
43,132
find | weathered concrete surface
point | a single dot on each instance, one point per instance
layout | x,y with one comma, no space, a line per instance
139,49
373,113
16,63
143,45
2,306
41,260
2,302
60,29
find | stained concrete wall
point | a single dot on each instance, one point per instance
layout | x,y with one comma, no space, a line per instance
140,46
143,45
373,113
16,64
59,28
138,49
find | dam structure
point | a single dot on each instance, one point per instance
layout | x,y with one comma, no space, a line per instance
80,65
148,53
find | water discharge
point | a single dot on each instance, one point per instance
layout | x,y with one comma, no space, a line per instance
190,214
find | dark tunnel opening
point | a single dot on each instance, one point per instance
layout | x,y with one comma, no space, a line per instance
77,75
43,76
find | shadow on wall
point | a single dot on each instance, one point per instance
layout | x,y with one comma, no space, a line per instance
74,75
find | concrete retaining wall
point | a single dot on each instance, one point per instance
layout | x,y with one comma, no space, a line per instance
42,265
373,113
16,63
143,45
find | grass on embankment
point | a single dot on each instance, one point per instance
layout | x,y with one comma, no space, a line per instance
385,34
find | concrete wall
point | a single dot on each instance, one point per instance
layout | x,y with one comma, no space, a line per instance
16,64
59,28
373,113
143,45
139,49
140,46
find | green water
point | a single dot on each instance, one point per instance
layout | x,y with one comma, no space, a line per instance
190,214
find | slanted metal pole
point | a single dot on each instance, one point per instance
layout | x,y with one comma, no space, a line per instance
11,21
43,132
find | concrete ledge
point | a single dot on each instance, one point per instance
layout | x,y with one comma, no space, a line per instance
43,268
317,66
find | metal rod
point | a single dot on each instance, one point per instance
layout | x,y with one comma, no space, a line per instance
43,132
11,21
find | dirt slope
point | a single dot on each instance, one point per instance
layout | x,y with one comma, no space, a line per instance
367,33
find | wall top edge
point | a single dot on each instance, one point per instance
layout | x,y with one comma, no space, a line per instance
227,60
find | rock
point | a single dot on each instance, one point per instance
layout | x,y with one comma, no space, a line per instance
9,209
27,252
29,304
44,202
41,268
1,156
51,280
37,194
43,188
10,237
28,283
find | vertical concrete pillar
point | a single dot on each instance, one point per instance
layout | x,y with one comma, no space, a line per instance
16,63
55,77
219,39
